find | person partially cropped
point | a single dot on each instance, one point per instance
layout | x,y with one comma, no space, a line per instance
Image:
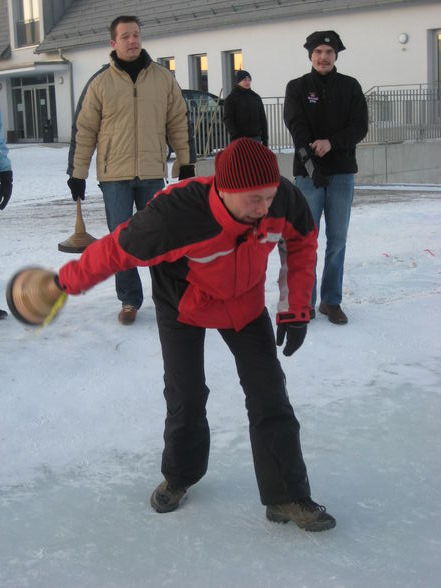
5,181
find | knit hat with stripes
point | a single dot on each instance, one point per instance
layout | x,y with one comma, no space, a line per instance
244,165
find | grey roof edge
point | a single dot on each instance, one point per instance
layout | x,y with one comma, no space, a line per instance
5,38
5,52
186,23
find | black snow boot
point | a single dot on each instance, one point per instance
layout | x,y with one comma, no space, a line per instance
304,512
166,497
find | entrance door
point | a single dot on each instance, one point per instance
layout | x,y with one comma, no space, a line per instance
36,109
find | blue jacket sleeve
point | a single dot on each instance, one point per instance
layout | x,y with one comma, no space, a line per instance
5,163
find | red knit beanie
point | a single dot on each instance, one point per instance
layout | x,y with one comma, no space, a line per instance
244,165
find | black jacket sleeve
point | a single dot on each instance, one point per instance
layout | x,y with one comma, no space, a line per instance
263,123
230,116
357,125
295,117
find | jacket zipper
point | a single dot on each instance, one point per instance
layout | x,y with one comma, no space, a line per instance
135,109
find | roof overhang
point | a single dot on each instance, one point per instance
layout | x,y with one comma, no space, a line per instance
32,69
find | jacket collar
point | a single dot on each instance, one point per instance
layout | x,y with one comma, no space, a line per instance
238,89
221,214
144,58
324,79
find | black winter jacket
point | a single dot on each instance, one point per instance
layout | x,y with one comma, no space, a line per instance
329,107
244,115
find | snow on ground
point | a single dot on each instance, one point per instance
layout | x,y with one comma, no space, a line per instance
81,417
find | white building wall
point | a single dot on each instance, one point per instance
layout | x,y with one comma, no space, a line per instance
64,104
274,52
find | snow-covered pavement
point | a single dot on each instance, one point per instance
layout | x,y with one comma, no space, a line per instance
81,417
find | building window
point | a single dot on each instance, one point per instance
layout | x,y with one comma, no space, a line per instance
232,62
169,63
198,66
27,22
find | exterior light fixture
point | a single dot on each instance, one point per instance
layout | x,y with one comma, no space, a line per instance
403,38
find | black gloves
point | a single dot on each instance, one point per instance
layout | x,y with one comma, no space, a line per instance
295,332
306,156
77,188
186,171
5,188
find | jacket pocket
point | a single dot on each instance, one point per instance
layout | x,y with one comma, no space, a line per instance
107,155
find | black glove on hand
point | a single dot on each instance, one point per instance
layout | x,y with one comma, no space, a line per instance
77,188
295,335
5,188
186,171
307,158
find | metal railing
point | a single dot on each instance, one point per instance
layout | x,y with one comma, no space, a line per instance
396,114
404,113
209,130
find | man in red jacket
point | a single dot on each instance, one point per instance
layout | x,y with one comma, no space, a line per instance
207,242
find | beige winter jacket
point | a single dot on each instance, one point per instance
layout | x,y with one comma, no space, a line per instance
129,124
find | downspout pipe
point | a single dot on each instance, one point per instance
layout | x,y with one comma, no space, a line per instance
70,68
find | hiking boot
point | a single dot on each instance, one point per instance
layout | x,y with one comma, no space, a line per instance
334,312
304,512
127,314
167,497
3,314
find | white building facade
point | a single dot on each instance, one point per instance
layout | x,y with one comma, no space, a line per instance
44,67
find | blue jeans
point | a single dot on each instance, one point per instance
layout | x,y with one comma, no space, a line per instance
335,202
119,199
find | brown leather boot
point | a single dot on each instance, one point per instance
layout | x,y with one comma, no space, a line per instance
334,312
166,497
127,314
304,512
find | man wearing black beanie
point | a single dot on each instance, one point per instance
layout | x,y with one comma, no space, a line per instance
326,114
244,114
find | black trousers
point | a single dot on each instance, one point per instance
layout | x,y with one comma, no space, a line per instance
274,430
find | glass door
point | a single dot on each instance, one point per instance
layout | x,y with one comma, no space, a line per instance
36,112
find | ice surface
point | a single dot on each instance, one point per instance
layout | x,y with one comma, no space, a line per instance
81,417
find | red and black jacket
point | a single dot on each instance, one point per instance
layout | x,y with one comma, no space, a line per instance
205,264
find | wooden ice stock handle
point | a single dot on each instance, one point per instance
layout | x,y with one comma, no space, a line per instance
79,223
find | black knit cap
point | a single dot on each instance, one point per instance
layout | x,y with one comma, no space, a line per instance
330,38
241,75
244,165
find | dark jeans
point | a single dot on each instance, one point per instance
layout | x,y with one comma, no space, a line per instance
119,200
274,430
